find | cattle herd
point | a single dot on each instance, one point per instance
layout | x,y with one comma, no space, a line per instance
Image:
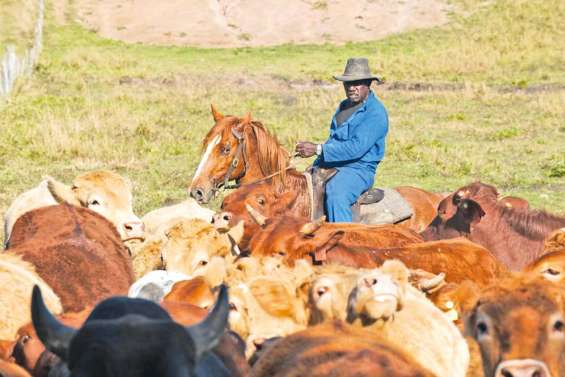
471,285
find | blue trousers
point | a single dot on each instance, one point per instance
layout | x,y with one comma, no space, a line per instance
342,191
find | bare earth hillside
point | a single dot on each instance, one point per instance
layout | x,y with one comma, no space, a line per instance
231,23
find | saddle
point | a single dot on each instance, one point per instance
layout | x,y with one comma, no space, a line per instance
375,206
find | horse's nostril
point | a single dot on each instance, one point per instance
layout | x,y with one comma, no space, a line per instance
506,373
227,217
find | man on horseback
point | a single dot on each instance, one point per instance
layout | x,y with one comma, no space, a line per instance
356,144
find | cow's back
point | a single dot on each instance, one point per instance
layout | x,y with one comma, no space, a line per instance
335,349
76,251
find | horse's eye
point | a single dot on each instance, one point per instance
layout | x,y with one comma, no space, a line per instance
261,201
226,149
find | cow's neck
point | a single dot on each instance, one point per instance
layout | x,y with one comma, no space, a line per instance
300,204
516,237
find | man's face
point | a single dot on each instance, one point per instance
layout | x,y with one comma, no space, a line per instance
357,91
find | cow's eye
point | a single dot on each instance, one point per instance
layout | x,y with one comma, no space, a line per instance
558,326
551,271
482,329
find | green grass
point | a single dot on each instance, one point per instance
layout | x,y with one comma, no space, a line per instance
497,114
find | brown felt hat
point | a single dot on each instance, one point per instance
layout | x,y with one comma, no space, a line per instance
357,69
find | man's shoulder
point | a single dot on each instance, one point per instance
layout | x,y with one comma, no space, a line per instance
374,105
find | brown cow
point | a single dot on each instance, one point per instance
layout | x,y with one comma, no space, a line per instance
272,203
195,291
514,236
335,349
102,191
296,238
363,246
519,325
76,251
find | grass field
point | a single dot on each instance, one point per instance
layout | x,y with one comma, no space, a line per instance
480,98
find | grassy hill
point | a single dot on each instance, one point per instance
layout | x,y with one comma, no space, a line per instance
480,98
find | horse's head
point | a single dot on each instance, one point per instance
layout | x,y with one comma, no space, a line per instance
223,158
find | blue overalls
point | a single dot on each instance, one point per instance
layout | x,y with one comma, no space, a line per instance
355,148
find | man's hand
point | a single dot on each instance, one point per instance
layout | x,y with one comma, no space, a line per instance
305,148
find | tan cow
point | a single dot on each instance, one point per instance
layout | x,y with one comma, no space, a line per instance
188,247
159,220
102,191
17,279
419,328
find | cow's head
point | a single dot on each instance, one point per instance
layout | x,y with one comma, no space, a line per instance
106,193
519,325
144,341
551,266
378,294
293,238
327,294
261,196
220,154
467,213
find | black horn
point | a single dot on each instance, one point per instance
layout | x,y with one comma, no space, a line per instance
206,335
55,336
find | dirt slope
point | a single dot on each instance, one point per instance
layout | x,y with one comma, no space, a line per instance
229,23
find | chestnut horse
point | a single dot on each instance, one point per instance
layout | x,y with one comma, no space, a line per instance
243,150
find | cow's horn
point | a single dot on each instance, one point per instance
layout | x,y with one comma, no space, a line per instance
311,227
206,335
55,336
429,284
257,217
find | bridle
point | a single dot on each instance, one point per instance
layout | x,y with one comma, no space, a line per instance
241,153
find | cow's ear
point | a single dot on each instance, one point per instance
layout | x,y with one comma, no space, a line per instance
395,268
273,296
61,192
216,114
320,253
471,211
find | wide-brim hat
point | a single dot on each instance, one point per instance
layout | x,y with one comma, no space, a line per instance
357,69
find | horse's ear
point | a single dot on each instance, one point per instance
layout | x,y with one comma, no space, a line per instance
216,114
246,118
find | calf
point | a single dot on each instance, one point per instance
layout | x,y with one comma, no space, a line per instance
520,327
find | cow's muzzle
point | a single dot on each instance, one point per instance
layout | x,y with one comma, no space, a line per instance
522,368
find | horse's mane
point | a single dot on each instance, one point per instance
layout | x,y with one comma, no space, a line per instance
271,154
535,225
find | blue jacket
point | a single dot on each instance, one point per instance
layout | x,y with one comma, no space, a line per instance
359,143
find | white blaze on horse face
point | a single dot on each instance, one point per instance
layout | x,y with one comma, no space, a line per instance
215,141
